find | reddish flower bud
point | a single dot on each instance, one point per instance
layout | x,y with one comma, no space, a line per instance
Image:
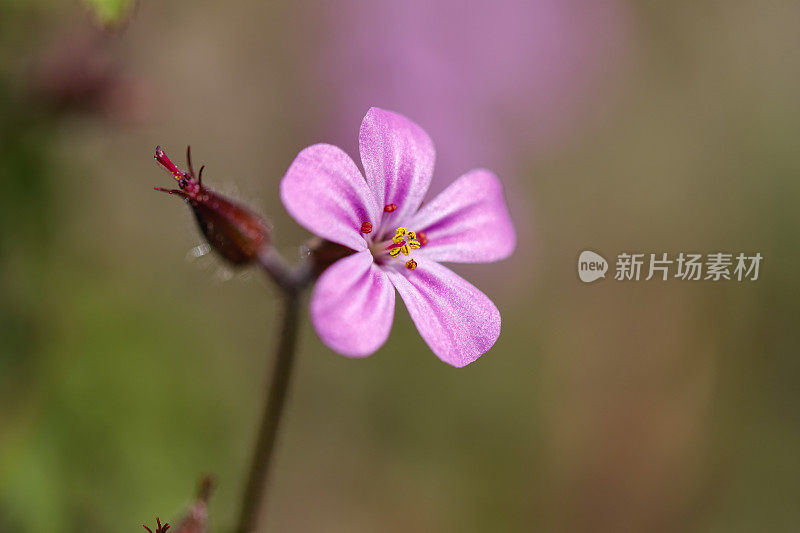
76,72
234,231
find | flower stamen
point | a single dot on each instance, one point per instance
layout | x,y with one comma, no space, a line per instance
403,242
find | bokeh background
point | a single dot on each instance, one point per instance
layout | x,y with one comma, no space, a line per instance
128,367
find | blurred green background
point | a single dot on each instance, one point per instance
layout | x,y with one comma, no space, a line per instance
129,368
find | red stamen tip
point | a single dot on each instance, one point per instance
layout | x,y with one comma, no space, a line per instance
411,264
159,527
366,227
390,208
165,162
422,238
171,191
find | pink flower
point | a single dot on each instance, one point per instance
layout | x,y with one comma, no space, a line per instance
399,243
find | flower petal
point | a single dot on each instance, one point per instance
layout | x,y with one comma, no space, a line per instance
398,157
326,194
468,222
458,321
352,306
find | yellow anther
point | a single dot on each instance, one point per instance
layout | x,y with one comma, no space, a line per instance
404,241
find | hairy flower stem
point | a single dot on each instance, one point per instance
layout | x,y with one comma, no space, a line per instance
292,282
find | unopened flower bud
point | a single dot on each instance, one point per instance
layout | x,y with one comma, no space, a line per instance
234,231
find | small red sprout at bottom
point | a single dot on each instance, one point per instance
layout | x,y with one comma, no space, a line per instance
159,527
234,231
